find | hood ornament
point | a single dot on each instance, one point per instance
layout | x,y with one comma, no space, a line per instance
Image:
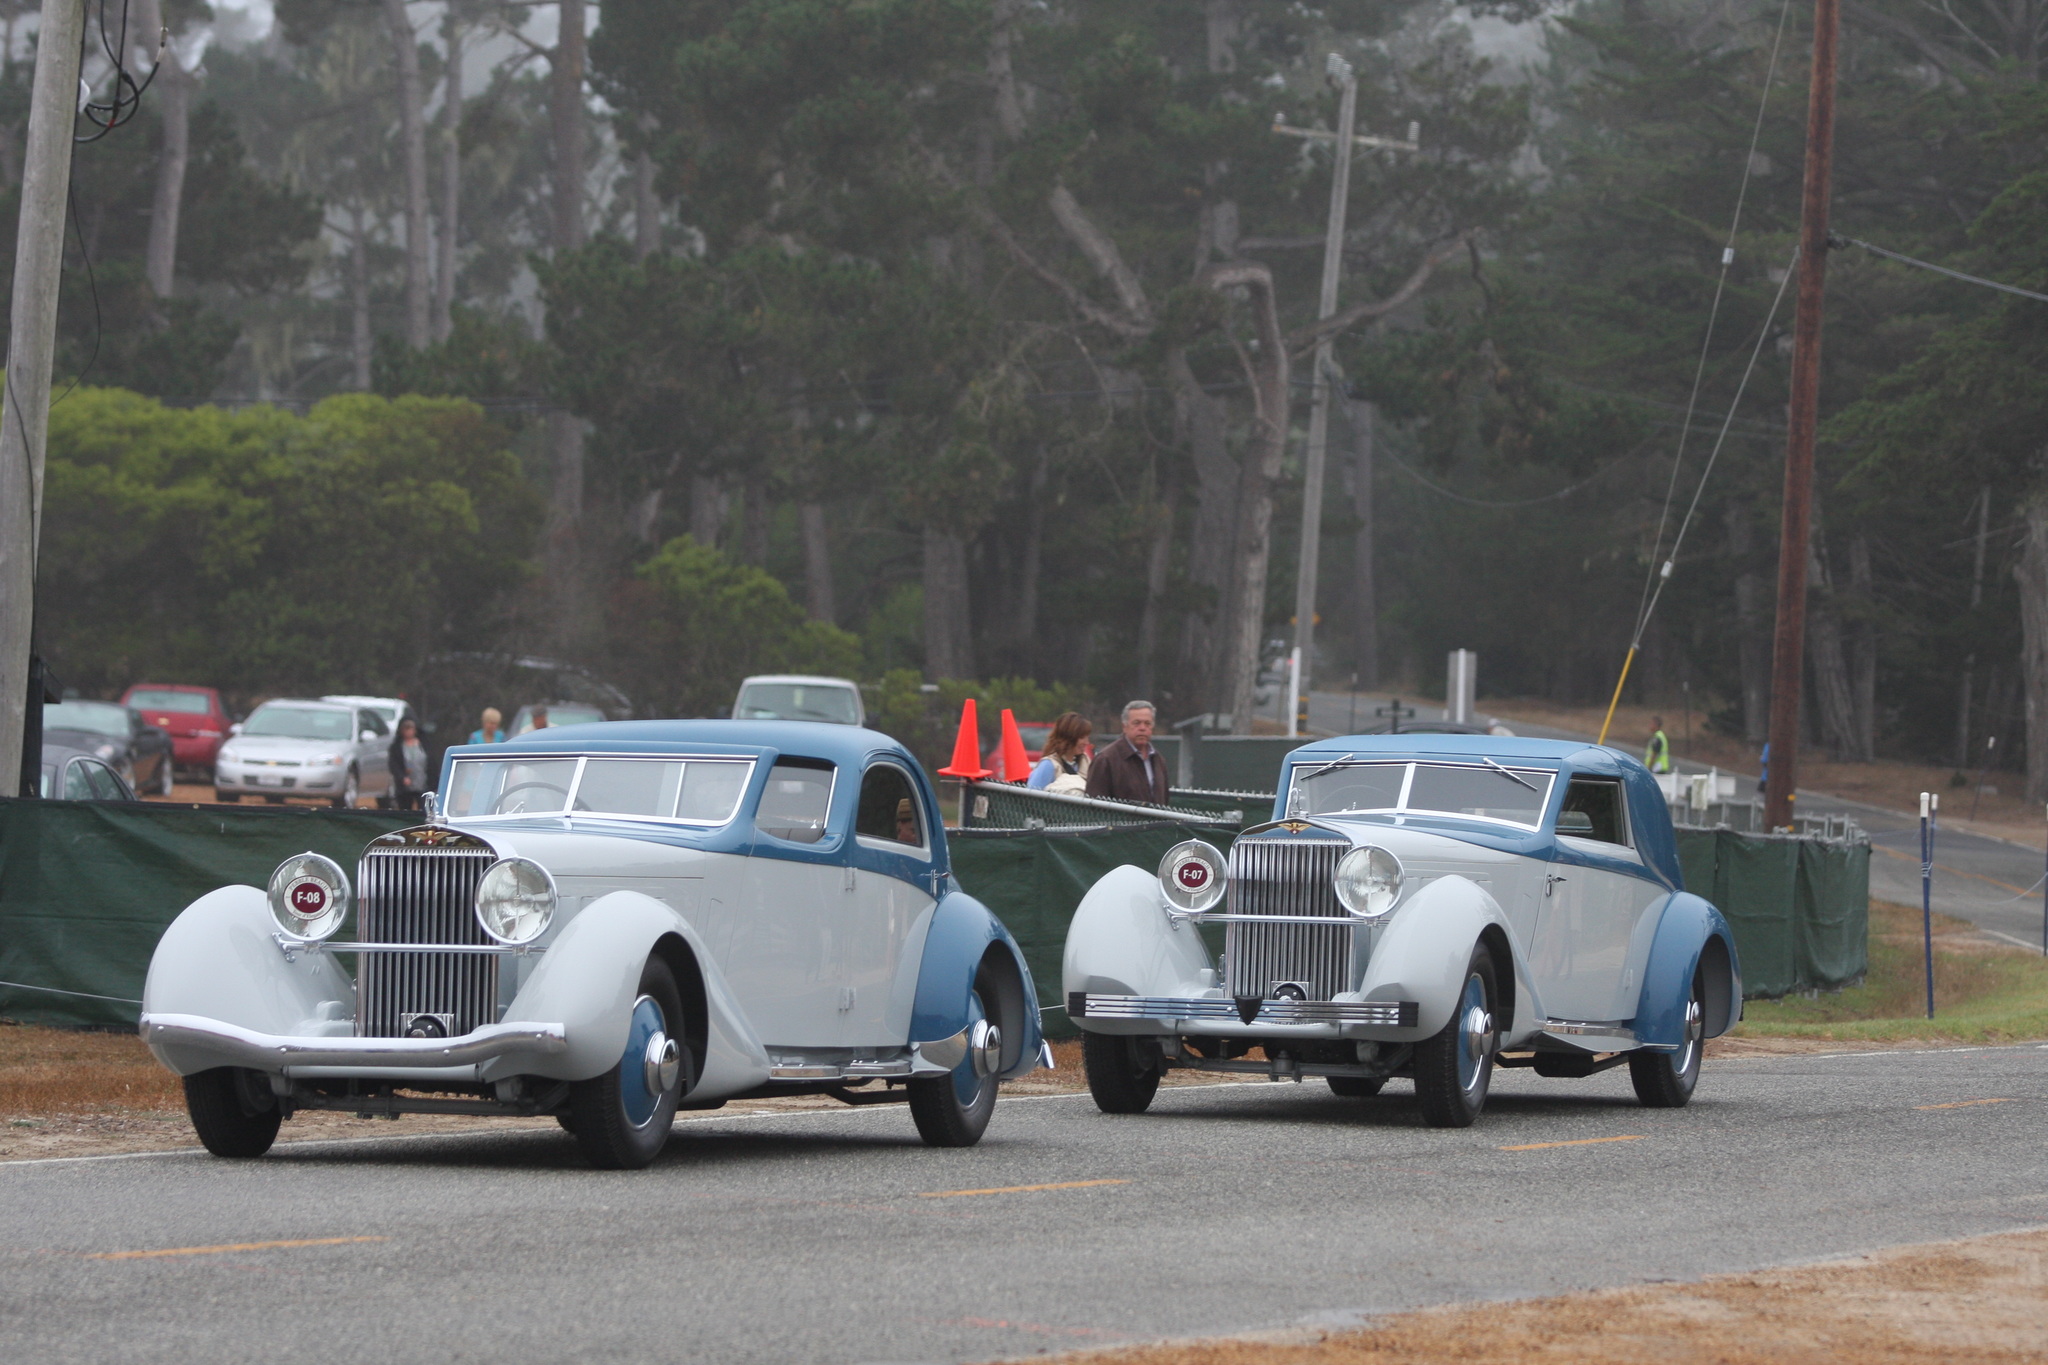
430,806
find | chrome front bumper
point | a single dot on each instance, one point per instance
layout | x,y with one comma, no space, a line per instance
1222,1009
237,1046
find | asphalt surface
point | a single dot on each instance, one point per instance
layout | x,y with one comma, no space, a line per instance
1994,883
812,1236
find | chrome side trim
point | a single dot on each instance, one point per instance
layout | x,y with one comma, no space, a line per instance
270,1051
1390,1013
498,949
1591,1028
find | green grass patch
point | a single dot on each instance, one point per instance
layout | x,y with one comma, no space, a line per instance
1985,991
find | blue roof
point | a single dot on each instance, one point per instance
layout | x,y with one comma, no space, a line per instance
1577,752
842,744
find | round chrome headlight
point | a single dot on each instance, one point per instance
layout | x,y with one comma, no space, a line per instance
515,900
1193,876
309,896
1368,881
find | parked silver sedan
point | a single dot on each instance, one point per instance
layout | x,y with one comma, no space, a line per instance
305,748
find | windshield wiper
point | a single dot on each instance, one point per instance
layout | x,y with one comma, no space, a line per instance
1510,772
1333,763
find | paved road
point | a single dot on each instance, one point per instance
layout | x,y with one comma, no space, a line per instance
809,1236
1993,883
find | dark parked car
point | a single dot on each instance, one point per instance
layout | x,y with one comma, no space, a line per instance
192,716
118,736
76,775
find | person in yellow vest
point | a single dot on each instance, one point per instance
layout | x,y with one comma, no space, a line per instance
1657,753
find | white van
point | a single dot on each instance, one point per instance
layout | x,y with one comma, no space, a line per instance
799,696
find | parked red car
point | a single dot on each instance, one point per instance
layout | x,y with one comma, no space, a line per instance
193,717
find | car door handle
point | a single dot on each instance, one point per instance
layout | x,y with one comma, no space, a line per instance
1550,883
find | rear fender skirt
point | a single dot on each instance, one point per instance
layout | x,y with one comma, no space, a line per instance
1422,954
588,978
220,960
1691,936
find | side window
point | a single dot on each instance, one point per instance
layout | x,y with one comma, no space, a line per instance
794,803
105,786
1593,809
888,807
370,720
76,787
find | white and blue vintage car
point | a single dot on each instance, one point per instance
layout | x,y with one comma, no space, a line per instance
1425,906
606,923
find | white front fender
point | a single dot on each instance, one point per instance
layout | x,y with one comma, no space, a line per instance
588,980
1422,954
220,960
1122,942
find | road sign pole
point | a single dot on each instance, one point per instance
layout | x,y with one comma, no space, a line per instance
1927,808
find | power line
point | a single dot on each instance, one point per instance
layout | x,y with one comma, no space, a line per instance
1939,269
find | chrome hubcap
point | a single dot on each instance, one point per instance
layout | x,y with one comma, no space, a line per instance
1475,1029
985,1047
663,1062
1694,1027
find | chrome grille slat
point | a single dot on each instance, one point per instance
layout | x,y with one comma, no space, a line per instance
1286,877
423,896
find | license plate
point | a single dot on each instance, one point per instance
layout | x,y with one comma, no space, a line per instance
267,779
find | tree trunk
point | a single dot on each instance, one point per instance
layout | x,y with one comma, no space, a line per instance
173,91
1752,658
646,209
2032,574
1158,560
1831,691
754,522
948,623
1365,610
451,179
821,599
1024,629
1245,603
1198,427
707,510
359,300
565,114
412,132
1863,649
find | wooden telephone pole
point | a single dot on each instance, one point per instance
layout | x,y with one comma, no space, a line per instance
31,343
1788,654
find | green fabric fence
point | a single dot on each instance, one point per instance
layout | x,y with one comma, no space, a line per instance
87,888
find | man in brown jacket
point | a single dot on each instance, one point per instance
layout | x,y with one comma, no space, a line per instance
1131,769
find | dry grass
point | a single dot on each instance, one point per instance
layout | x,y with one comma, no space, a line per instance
1982,1301
56,1071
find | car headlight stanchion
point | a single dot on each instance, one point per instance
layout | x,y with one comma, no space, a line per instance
515,900
309,897
1193,877
1368,882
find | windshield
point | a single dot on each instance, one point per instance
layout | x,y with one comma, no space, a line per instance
93,717
702,791
300,722
1482,791
797,701
561,713
184,703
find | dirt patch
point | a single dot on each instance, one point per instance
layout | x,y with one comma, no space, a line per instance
1981,1301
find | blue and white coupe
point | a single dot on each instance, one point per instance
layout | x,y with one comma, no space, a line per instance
606,923
1422,906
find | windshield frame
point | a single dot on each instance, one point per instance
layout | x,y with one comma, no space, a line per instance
1301,771
568,811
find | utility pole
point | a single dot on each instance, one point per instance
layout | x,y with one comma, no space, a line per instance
1344,140
1983,510
1788,655
31,342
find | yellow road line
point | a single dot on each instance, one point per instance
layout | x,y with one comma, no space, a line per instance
230,1246
1020,1189
1960,1104
1575,1142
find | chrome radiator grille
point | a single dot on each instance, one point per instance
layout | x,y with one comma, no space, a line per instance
422,895
1286,877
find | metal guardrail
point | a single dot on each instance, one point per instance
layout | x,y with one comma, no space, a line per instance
1002,805
1747,817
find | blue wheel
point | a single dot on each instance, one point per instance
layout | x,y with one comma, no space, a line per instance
622,1118
953,1110
1454,1067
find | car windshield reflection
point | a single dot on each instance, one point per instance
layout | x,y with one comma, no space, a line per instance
1515,796
695,791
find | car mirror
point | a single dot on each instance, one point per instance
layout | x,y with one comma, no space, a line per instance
235,729
367,735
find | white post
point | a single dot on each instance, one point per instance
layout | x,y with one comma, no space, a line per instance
1461,687
25,418
1293,693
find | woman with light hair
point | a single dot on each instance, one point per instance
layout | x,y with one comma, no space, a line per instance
493,731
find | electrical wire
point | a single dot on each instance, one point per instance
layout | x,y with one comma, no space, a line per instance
1939,269
1441,491
126,101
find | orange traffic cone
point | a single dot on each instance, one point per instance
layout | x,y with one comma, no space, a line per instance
967,748
1010,752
